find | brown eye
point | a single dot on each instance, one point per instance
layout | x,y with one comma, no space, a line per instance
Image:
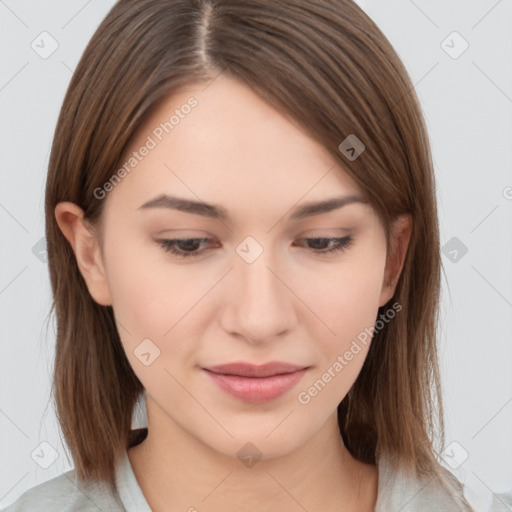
325,245
184,247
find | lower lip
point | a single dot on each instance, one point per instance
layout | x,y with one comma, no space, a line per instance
257,389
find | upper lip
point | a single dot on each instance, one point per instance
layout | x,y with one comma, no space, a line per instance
251,370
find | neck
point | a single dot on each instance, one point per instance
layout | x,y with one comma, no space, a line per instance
177,470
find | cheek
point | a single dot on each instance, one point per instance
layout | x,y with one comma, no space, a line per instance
148,306
149,294
346,300
157,301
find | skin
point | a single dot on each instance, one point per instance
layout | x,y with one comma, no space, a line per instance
291,304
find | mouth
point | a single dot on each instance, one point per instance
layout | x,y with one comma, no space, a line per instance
251,370
256,383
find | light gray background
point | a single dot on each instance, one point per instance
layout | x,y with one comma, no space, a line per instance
467,102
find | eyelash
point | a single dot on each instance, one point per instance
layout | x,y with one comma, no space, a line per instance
342,244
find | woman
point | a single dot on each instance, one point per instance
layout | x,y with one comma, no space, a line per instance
241,226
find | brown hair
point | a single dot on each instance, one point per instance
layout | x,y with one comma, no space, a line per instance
328,67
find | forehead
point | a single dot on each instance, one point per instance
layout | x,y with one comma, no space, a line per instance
220,142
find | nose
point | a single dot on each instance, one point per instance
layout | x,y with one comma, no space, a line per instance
259,304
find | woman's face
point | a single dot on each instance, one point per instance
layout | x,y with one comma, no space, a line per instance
255,284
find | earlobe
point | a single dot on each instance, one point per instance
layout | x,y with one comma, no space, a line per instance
400,238
71,221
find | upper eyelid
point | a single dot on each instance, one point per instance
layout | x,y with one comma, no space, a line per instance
209,239
338,232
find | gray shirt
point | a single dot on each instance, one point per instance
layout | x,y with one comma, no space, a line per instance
396,492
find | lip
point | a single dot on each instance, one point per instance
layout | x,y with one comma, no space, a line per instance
243,369
256,383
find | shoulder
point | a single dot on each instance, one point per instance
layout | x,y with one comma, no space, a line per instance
65,493
400,491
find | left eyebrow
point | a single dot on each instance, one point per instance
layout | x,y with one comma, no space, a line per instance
310,209
220,213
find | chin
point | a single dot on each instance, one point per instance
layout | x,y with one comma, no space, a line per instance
255,444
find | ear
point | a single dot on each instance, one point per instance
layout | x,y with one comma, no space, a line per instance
400,237
84,243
